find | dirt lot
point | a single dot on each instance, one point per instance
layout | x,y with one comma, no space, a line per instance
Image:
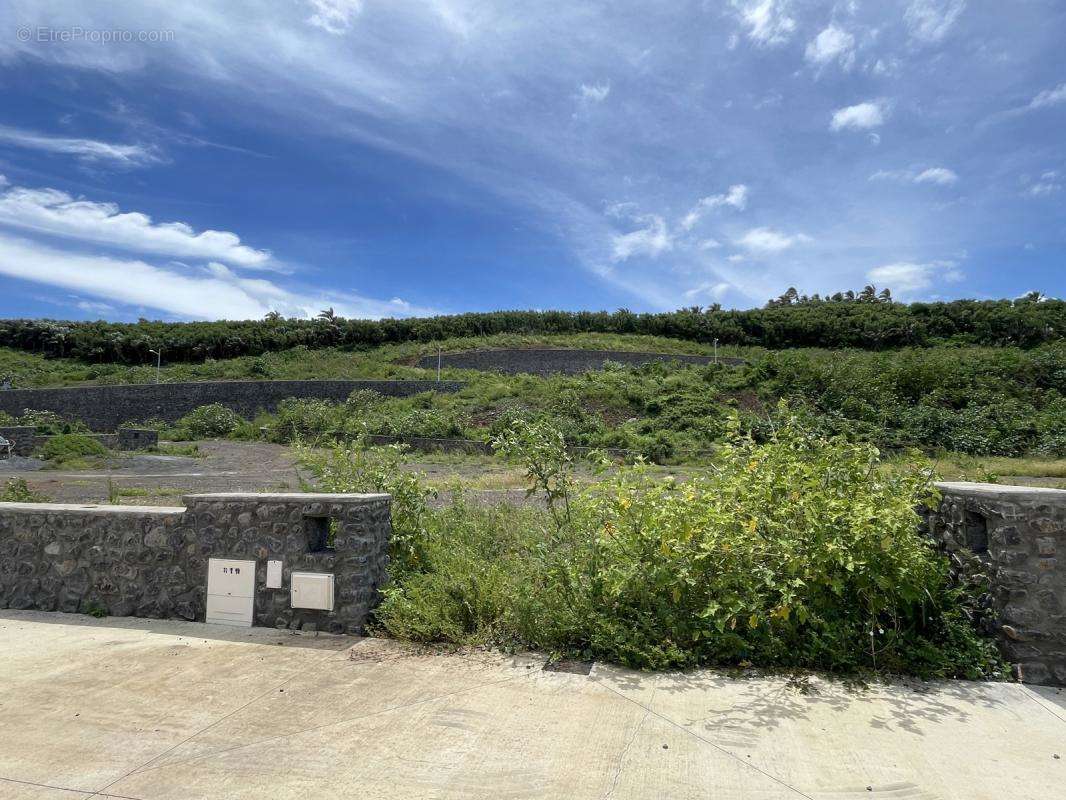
225,466
151,479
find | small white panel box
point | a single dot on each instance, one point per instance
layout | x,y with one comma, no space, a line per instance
230,592
312,590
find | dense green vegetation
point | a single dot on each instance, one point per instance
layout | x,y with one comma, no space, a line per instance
866,320
71,449
981,401
796,552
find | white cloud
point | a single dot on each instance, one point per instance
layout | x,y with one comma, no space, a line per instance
930,20
334,16
858,117
736,197
1048,184
710,289
651,240
1049,97
767,240
86,150
595,93
56,213
938,175
906,277
213,292
831,44
767,21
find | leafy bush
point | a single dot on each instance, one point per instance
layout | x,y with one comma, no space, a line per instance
49,423
16,490
798,551
209,421
300,419
71,447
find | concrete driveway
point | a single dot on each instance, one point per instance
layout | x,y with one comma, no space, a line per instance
129,708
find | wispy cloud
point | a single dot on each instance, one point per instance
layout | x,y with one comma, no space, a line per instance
595,92
1049,97
334,16
768,21
862,116
736,197
906,277
86,150
210,292
651,240
50,211
769,241
941,176
1048,184
929,21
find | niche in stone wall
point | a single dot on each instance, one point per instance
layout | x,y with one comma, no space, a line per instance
321,532
976,532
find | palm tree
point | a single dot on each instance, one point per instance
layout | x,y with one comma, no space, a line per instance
273,316
327,315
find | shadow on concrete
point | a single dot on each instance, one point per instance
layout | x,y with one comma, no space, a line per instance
767,700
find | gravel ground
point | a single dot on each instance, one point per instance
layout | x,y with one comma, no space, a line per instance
223,466
150,479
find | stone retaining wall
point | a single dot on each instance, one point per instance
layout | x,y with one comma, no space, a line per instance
22,437
104,408
26,439
425,444
152,562
1014,536
555,361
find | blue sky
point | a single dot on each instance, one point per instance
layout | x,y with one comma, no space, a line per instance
220,160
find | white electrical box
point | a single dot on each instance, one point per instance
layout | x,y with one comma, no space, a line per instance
312,590
230,592
273,575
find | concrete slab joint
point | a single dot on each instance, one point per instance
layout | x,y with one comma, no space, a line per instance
152,561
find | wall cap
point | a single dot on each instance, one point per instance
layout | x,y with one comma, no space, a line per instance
50,508
1000,490
312,497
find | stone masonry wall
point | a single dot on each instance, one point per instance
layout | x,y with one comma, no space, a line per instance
26,439
21,436
556,361
152,562
104,408
1016,536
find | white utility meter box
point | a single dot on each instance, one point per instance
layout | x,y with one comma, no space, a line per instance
312,590
273,575
230,592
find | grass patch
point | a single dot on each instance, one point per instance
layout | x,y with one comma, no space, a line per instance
73,451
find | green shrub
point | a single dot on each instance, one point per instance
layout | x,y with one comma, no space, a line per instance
210,421
797,551
70,447
302,419
16,490
49,423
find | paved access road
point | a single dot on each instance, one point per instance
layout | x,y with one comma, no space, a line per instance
128,708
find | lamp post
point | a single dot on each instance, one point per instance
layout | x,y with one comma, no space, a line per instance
715,351
158,362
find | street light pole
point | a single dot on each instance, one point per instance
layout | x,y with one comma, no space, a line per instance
158,362
715,351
